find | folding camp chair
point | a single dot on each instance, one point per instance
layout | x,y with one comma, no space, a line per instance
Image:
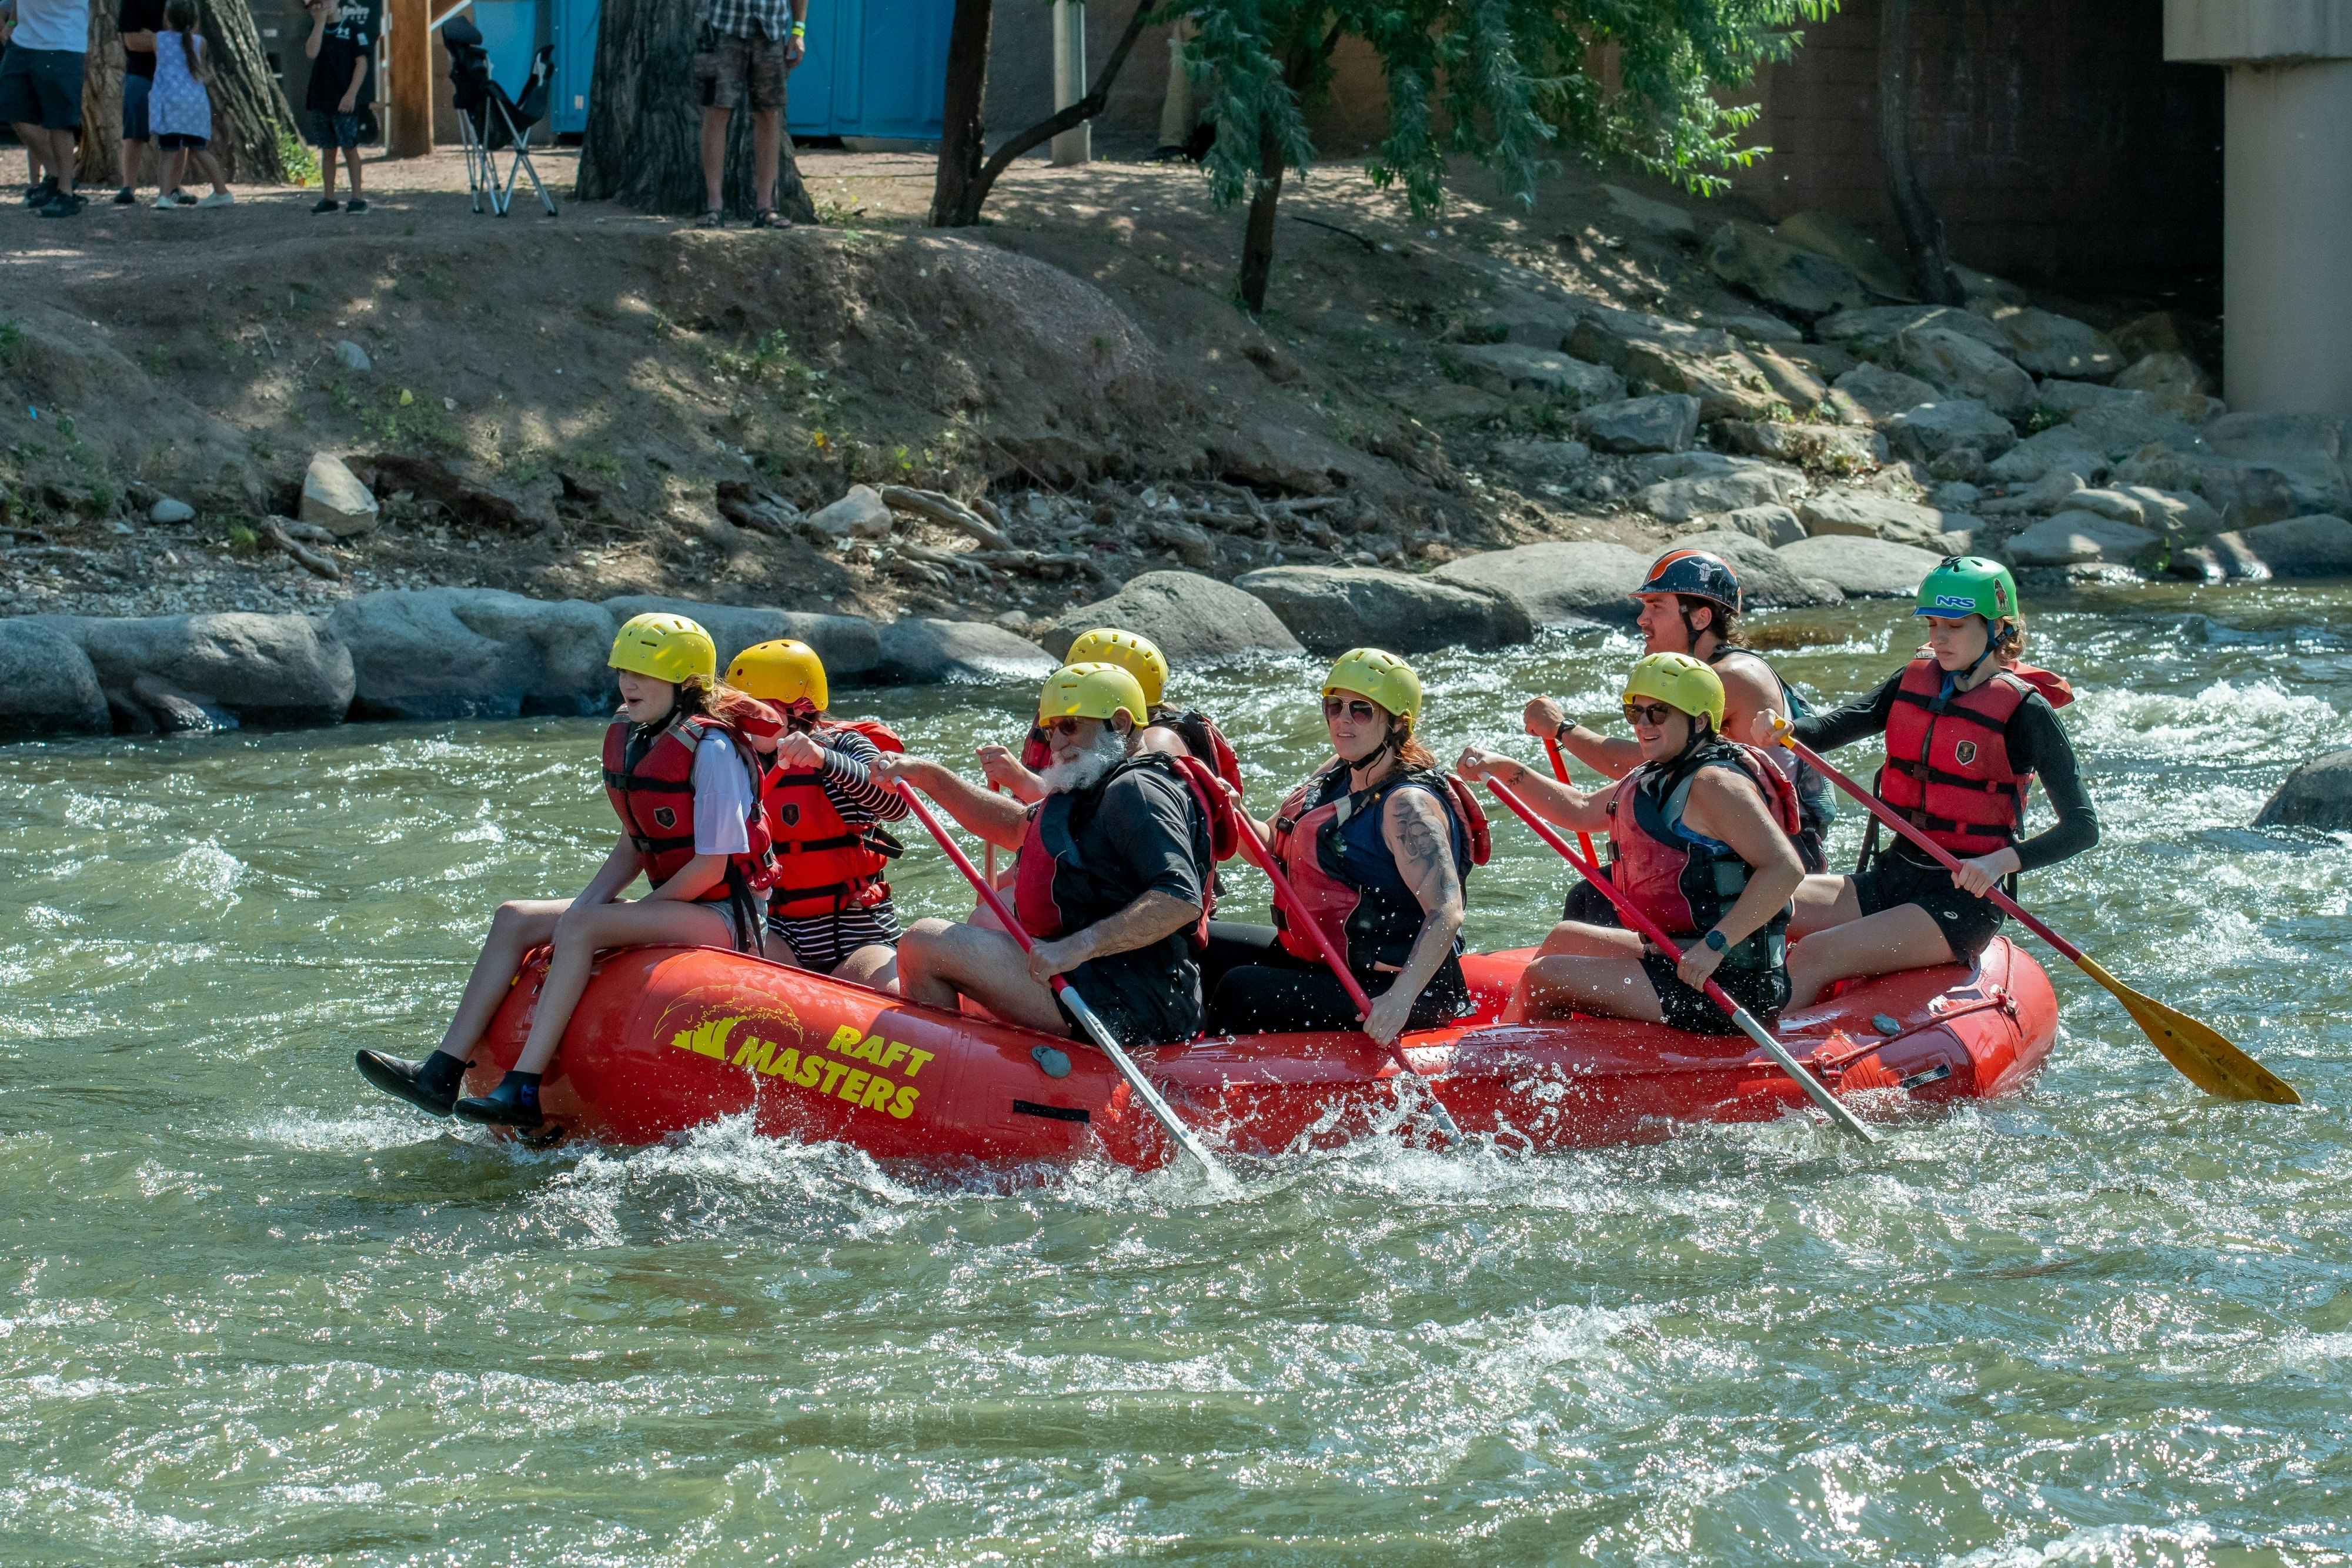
490,121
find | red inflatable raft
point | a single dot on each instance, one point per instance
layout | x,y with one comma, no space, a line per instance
668,1038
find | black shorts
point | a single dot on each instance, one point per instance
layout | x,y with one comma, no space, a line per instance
1968,922
1763,992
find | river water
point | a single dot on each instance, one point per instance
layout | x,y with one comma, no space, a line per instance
250,1313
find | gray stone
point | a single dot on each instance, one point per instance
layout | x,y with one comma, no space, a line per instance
1872,334
351,357
1333,609
919,651
1450,402
858,515
1767,579
2308,448
1560,582
1831,448
2071,398
1774,525
1826,234
1753,326
1608,336
1194,620
2303,546
1964,367
1864,568
849,645
2060,449
2247,493
1736,482
2317,795
47,683
1547,456
167,510
2078,538
1874,394
462,652
1859,514
2160,511
2167,371
264,669
333,497
1511,368
1658,217
1955,496
1667,422
1932,429
1801,282
2052,345
2121,430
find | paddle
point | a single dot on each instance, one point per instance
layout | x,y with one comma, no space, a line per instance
1283,891
1559,771
1086,1014
1815,1090
2198,1050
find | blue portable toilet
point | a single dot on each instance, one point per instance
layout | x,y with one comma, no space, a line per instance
874,68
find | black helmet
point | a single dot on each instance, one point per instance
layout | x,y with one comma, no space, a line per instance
1697,574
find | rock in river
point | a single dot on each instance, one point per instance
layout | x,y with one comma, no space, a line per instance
265,669
1194,618
2317,795
850,646
1560,582
926,653
1863,568
1768,579
46,685
1333,609
460,653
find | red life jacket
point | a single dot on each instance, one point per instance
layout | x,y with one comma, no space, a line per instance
1948,759
825,865
652,794
1345,876
1681,879
1051,871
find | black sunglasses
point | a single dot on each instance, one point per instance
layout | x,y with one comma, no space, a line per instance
1360,711
1651,714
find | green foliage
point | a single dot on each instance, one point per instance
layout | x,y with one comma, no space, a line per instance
12,342
1513,83
2043,416
243,540
301,165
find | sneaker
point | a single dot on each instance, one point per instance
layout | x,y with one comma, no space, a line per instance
326,204
358,204
167,200
219,199
64,206
431,1085
126,197
42,194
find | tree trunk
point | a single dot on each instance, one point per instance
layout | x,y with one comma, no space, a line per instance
963,136
1914,206
1258,239
643,143
101,102
974,190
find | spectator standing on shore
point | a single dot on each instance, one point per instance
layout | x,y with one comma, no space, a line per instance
40,94
747,46
139,21
180,110
341,34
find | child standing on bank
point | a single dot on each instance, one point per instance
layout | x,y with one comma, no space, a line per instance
180,110
342,32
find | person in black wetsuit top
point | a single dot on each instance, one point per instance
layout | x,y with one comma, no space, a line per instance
1969,728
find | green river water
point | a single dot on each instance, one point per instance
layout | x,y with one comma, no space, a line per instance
251,1313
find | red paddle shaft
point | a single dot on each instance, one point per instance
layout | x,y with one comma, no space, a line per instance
1559,771
1815,1090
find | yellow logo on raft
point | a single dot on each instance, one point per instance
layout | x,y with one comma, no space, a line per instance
864,1087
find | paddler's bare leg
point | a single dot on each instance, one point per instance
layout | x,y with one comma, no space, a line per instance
875,965
431,1085
1575,939
941,962
1611,986
1903,938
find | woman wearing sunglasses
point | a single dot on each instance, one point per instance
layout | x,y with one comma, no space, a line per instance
1702,837
1376,844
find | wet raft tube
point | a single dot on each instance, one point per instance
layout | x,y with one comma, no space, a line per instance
668,1038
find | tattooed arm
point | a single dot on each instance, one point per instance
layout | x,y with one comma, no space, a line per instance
1419,836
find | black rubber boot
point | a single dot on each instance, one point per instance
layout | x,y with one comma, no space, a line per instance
513,1104
430,1086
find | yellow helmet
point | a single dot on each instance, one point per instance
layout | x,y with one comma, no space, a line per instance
1139,656
667,647
1092,691
1380,675
782,670
1680,682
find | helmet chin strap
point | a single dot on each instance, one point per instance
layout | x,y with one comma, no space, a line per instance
1952,680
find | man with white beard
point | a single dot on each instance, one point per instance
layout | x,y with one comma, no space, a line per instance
1112,881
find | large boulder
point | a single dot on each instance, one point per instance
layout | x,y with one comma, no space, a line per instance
2174,514
1801,282
1719,485
2300,546
1774,525
1865,514
2053,345
2079,539
333,497
1931,430
1667,422
463,652
1965,367
1826,234
2060,449
2317,795
919,652
1768,579
850,646
1193,619
1560,582
1333,609
1836,448
1871,332
2308,448
47,683
1872,395
1610,337
265,669
2168,371
1517,369
1863,568
1658,217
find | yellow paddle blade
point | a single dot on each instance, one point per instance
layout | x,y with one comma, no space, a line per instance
2203,1057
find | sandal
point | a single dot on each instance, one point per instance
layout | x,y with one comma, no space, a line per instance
713,219
765,219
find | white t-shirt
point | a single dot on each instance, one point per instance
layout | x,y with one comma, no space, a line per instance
722,799
62,25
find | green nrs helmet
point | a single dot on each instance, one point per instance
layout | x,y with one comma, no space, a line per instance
1971,585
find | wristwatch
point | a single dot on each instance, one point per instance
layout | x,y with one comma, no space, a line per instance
1717,941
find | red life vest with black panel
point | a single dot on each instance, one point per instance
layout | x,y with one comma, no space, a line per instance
1948,766
826,863
1329,845
1680,878
650,781
1055,892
